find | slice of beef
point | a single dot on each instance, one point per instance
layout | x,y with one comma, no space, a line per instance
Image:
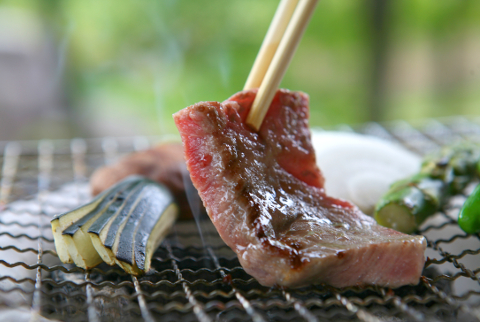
264,194
163,163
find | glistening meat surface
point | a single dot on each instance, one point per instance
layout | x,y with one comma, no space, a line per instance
264,194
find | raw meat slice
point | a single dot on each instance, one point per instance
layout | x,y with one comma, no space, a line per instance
264,194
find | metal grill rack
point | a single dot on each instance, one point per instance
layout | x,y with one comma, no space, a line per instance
196,276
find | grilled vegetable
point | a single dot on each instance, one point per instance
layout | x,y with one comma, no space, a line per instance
99,229
76,236
144,229
360,168
469,216
410,201
124,225
65,220
455,165
108,236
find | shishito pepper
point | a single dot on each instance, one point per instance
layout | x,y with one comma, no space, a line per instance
469,216
410,201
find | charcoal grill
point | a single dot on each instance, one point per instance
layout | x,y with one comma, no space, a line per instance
196,276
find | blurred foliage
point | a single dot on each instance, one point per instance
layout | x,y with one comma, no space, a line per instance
134,63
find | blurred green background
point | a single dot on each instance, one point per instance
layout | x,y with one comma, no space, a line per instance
94,68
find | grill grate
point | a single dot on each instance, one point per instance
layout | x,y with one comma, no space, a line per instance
197,277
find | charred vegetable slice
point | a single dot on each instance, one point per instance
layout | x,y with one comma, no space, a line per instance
144,229
63,221
409,202
124,226
148,238
76,236
110,238
99,229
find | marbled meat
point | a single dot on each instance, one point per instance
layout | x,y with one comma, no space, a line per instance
264,194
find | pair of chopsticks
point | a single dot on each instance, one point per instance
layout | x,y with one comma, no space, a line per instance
276,52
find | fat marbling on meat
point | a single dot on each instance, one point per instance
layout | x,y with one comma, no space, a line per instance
264,194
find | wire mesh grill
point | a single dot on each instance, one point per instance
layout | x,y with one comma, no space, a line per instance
196,277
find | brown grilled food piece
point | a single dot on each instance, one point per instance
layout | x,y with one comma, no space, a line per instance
163,163
265,195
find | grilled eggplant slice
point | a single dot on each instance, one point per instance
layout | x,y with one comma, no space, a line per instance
76,236
118,223
99,229
127,230
124,225
63,221
145,228
60,222
150,235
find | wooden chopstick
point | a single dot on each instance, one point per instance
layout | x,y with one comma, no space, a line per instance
270,43
280,61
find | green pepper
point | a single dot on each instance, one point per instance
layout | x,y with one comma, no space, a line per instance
444,174
469,216
409,202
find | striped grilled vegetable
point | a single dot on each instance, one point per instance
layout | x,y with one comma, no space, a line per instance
73,219
144,229
108,224
124,225
410,201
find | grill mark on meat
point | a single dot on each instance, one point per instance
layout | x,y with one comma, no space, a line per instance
244,195
289,250
264,194
236,162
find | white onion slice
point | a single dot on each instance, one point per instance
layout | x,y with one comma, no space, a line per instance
360,168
